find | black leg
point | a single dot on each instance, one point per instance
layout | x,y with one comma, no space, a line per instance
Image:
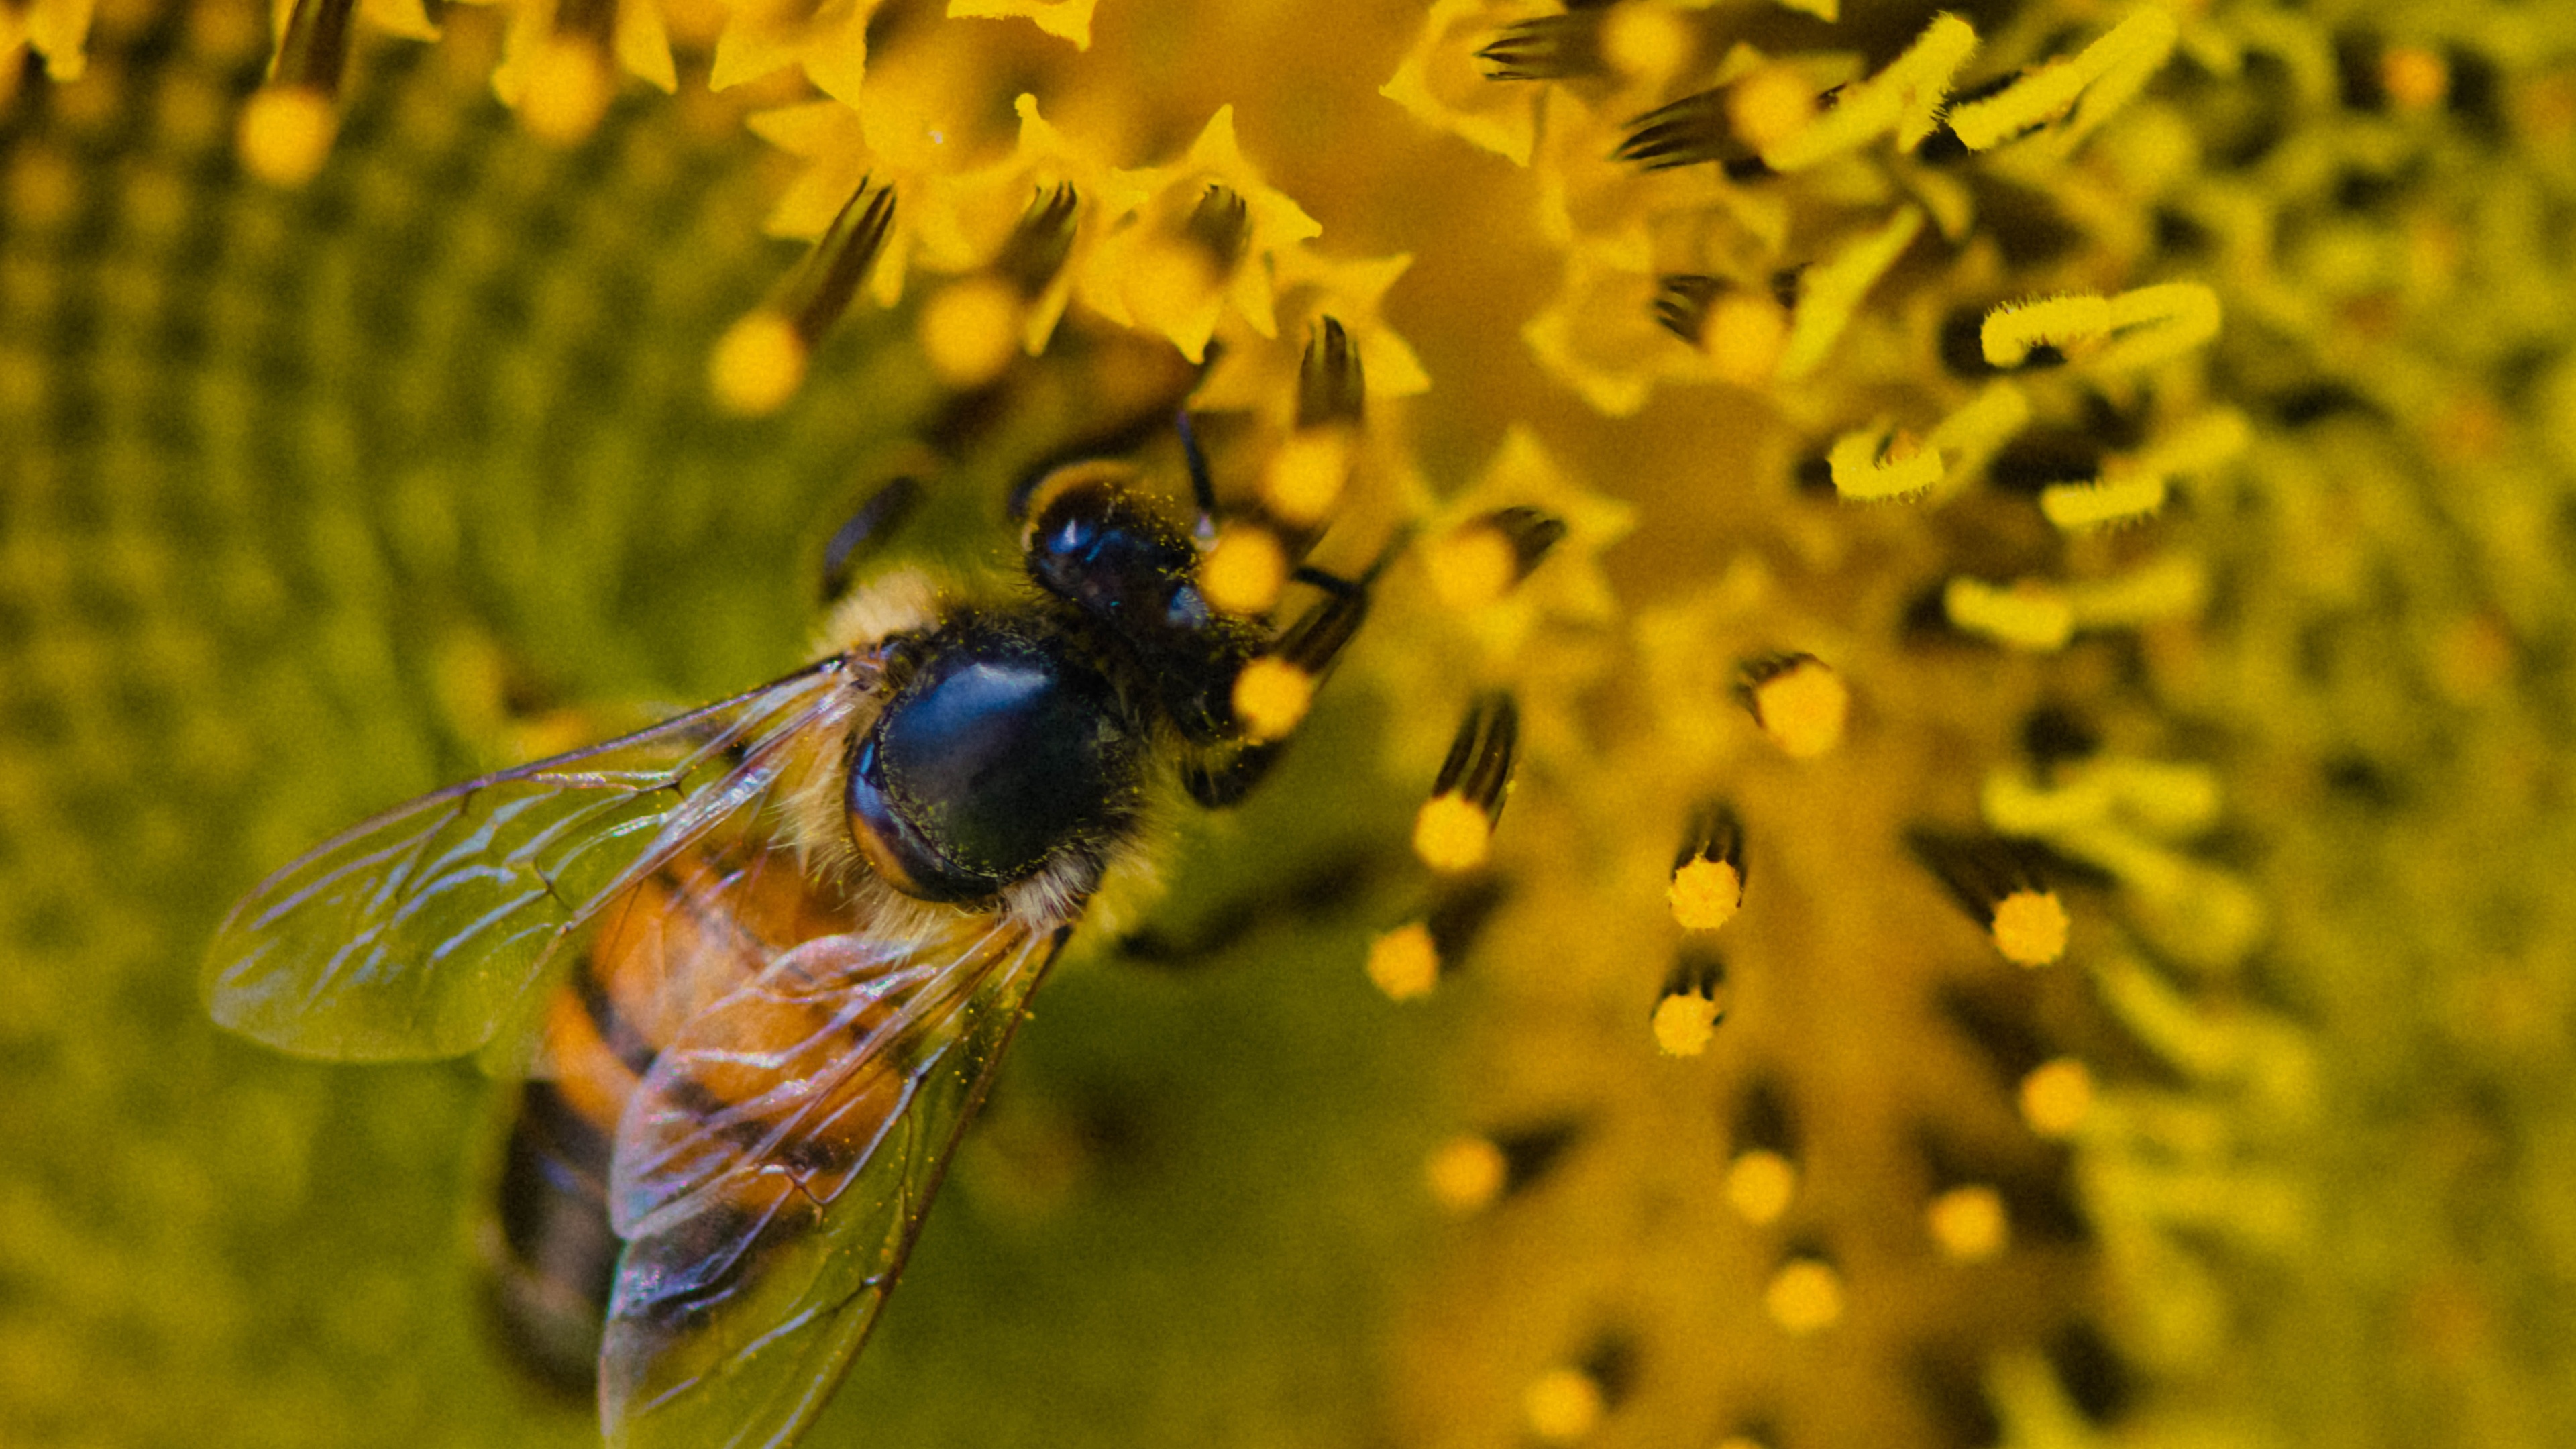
1334,882
867,533
1202,482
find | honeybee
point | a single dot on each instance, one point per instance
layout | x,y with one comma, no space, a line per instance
756,964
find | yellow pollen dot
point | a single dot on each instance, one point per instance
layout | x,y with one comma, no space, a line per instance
1306,475
1771,105
1270,696
1639,40
2056,1097
1685,1023
1804,1296
970,331
1969,1223
1705,894
2416,78
758,365
1759,1185
1246,570
569,86
286,133
1466,1174
2030,927
1404,963
1743,336
1563,1405
1451,834
1471,567
1803,708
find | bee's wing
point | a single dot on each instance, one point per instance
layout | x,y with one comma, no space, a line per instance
422,931
774,1165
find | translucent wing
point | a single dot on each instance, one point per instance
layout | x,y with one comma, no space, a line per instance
422,931
773,1168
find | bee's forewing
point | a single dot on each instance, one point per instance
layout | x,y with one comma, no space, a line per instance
770,1177
422,931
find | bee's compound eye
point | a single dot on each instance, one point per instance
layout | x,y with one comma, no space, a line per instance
992,761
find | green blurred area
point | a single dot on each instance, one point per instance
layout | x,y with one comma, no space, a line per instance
287,480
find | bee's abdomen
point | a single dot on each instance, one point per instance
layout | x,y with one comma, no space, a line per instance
549,1253
687,935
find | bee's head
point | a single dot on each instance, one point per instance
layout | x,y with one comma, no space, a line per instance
1096,543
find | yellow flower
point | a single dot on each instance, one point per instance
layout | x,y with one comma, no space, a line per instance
2080,494
828,42
1068,19
1444,85
1260,371
1204,246
973,218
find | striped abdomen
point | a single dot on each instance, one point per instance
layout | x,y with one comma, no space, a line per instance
688,936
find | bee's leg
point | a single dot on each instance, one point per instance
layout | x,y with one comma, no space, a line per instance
1295,667
1325,886
1331,583
1202,482
867,532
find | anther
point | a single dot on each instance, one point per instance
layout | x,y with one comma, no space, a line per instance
1681,304
2057,1097
1969,1223
1273,690
761,360
818,292
1567,1403
1454,830
970,330
1742,331
1330,388
1969,1218
1762,1176
1246,569
1692,1004
287,127
1036,249
1470,1173
1805,1295
1409,960
2054,1092
1548,48
1797,700
1486,557
1563,1405
1998,882
570,76
1306,474
1222,224
1707,887
570,81
1771,105
1691,130
1271,697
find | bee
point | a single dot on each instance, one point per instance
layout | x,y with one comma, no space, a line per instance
756,964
